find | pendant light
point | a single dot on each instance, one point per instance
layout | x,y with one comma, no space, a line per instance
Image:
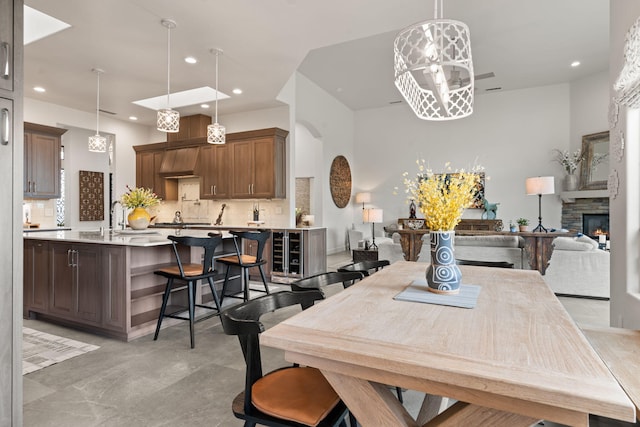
168,119
216,132
97,143
433,67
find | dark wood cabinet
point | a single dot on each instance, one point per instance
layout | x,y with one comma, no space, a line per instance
190,127
76,285
214,171
148,163
42,145
114,296
36,275
258,166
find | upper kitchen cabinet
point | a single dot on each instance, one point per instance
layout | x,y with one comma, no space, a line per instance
6,45
191,127
258,162
42,145
148,162
214,171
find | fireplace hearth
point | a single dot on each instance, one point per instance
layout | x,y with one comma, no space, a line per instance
595,225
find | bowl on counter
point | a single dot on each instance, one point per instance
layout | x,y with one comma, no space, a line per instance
414,224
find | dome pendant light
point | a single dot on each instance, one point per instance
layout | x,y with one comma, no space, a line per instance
97,143
216,132
168,119
426,54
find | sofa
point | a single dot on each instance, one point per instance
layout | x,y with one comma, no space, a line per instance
576,268
476,248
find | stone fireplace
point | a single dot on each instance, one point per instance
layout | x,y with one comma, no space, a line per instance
595,225
596,210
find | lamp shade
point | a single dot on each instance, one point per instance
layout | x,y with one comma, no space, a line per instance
540,185
372,215
363,197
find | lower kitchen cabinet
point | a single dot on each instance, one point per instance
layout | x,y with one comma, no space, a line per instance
36,275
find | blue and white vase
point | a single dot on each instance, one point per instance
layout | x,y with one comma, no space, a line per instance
443,275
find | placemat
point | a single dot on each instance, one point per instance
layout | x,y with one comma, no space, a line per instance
418,291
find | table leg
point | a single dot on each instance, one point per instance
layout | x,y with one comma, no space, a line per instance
431,406
411,244
466,414
362,396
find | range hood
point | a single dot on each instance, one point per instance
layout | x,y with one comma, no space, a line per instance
179,163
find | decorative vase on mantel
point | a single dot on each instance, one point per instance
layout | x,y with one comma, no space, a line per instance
443,275
139,218
571,182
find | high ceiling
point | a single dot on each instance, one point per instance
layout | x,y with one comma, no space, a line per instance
344,46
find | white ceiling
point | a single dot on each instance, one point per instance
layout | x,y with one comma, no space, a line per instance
344,46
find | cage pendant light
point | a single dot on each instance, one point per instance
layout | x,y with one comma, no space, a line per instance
216,132
98,143
433,67
168,119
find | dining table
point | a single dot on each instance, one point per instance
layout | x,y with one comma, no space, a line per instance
514,358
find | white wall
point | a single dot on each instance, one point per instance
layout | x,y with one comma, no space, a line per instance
332,123
308,150
625,206
589,107
512,134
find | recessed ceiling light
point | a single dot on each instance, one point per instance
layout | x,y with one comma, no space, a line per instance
204,105
134,118
575,63
237,91
190,60
39,89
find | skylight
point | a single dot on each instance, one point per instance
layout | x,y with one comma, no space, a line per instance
38,25
195,96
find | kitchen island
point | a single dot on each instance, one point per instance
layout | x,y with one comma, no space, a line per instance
104,282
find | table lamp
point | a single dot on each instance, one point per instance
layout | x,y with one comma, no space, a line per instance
540,185
372,216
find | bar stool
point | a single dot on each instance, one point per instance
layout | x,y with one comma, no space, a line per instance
246,261
190,274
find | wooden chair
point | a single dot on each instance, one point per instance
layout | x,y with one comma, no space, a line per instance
497,264
246,261
288,397
189,275
347,278
365,267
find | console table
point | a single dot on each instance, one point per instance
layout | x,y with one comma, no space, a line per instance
538,247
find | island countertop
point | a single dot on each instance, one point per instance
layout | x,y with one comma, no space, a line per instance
128,237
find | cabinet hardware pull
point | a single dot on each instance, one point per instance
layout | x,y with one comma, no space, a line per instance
6,126
6,60
249,188
215,193
212,191
69,257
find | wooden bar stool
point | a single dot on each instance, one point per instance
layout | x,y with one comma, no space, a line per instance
246,261
189,275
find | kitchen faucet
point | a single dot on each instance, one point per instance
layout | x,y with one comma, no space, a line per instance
113,217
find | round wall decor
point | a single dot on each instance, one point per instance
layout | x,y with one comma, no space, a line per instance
340,181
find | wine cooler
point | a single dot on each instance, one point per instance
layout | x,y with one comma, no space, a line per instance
287,262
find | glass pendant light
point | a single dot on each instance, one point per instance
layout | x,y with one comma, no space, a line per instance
97,142
168,119
216,132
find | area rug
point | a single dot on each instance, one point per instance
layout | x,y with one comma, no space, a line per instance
40,349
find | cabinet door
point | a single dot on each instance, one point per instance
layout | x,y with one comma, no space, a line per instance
263,168
214,170
45,165
114,282
62,274
87,283
36,276
242,179
147,175
6,45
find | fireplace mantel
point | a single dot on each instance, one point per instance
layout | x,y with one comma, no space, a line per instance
571,196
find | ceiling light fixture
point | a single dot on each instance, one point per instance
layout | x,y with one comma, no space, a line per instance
39,89
216,132
237,91
97,142
424,54
190,60
168,119
575,64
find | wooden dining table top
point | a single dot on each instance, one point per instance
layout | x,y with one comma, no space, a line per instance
518,350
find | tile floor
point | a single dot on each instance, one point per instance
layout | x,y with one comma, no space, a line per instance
165,383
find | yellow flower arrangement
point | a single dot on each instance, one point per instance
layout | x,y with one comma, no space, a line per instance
139,197
442,198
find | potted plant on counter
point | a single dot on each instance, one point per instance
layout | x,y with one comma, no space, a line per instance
523,224
138,199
